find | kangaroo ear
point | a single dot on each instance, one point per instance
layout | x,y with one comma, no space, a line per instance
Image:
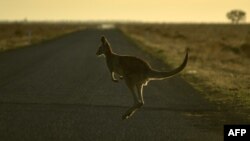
103,39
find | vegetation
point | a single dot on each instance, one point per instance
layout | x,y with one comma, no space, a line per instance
236,16
219,56
20,34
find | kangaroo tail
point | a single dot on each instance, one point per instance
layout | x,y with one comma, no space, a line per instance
157,75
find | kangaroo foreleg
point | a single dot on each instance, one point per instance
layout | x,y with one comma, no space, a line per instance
121,77
113,77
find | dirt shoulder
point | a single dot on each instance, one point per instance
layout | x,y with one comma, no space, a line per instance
218,65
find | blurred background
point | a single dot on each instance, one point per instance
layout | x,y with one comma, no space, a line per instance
203,11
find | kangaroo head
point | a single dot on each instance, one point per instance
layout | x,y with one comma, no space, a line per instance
104,48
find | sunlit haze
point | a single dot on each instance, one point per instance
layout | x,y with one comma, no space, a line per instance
122,10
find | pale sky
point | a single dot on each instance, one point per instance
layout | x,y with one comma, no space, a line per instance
125,10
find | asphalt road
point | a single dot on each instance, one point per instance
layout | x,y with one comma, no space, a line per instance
59,90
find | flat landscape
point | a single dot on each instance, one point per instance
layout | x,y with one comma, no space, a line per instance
59,89
21,34
219,59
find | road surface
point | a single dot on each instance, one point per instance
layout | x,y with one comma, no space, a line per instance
59,90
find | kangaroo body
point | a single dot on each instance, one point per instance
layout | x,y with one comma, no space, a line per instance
136,73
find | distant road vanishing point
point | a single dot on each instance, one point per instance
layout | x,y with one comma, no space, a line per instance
60,90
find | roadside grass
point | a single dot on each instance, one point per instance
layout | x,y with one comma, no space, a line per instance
219,61
20,34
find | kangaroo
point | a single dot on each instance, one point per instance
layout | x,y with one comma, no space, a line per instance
136,73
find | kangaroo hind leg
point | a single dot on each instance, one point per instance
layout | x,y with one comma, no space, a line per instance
134,89
140,95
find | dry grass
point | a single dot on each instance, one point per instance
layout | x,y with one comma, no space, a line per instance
20,34
219,63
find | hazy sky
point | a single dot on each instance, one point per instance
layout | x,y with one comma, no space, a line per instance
136,10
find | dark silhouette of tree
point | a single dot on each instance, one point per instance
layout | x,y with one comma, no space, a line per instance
236,16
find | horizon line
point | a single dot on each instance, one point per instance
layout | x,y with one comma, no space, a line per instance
114,21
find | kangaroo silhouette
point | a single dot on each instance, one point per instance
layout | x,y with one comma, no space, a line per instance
135,71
